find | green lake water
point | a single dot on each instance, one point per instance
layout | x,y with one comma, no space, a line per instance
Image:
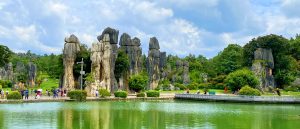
148,115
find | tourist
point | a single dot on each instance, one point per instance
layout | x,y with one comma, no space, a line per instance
22,93
7,93
278,91
187,91
96,93
26,92
65,92
48,93
61,93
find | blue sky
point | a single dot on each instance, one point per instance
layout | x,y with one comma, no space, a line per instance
182,26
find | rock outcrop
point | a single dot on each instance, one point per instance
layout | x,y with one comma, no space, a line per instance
32,70
71,47
185,75
6,73
262,67
103,56
153,63
134,52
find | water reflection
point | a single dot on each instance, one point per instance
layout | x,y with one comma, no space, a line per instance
148,115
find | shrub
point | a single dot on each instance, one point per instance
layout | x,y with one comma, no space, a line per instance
152,93
122,94
240,78
79,95
104,93
137,82
142,94
14,95
204,85
180,86
247,90
165,84
192,86
6,83
217,86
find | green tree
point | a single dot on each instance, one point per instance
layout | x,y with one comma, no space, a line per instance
138,82
237,79
5,55
229,60
121,65
284,68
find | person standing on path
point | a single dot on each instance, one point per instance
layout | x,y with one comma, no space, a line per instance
26,92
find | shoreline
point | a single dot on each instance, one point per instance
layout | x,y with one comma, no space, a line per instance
240,99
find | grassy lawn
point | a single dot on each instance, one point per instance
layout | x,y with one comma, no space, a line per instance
218,91
49,83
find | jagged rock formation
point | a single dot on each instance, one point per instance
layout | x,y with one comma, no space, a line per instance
132,48
182,72
103,58
153,63
32,69
71,47
134,52
185,75
6,73
262,68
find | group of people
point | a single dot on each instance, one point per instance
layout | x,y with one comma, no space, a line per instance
25,93
56,92
3,93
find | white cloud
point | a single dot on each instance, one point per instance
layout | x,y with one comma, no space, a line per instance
25,33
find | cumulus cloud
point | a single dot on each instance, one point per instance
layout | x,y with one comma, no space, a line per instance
182,27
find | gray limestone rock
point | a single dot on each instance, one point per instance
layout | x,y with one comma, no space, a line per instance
32,70
113,35
71,47
153,44
262,67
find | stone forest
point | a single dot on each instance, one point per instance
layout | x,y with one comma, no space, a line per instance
271,59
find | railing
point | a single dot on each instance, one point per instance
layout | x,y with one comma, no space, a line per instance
240,98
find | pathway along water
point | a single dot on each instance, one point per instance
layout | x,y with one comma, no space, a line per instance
148,114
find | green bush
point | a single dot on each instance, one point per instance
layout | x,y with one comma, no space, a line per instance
79,95
104,93
14,95
6,83
122,94
180,86
193,86
142,94
217,86
204,85
247,90
237,79
152,93
137,82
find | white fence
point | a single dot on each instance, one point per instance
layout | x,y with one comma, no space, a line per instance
240,98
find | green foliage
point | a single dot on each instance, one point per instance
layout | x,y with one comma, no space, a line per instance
284,68
14,95
122,94
104,93
165,84
229,60
122,64
152,93
204,85
79,95
5,55
240,78
247,90
142,94
180,86
6,83
138,82
193,86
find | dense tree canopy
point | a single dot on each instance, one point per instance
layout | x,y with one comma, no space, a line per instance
229,60
5,55
122,64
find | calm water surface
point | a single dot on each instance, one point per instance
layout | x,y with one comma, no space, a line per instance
148,115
